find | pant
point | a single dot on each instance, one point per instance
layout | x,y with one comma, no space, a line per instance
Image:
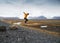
25,20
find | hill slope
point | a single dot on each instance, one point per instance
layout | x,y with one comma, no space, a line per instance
22,35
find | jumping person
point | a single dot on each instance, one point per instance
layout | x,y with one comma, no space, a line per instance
25,16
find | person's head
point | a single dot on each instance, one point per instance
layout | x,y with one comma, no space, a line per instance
24,12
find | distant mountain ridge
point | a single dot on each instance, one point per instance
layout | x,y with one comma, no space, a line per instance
40,17
9,18
56,17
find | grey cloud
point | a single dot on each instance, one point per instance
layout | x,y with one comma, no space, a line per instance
9,1
43,2
33,2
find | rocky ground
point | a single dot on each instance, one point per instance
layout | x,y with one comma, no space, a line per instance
22,35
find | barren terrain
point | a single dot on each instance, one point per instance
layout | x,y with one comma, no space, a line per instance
31,32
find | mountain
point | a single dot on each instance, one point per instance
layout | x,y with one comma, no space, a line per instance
9,18
39,17
56,17
42,17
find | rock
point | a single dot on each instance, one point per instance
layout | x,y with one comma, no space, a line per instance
2,28
18,23
13,27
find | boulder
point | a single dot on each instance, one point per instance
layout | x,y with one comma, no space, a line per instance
13,27
2,28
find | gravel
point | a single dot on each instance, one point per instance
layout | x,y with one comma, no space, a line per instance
22,35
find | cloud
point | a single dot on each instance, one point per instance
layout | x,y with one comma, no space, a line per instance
15,8
42,2
34,2
10,1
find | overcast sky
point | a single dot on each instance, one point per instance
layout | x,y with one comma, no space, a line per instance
15,8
